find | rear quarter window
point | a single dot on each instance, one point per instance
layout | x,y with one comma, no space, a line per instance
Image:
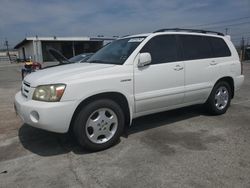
219,47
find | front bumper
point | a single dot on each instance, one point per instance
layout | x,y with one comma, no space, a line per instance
51,116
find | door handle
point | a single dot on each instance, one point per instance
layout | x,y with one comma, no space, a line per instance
178,68
213,63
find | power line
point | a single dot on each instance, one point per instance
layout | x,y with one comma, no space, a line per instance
239,37
240,34
242,23
219,22
235,36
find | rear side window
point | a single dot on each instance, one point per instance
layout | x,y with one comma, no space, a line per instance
195,47
163,49
219,47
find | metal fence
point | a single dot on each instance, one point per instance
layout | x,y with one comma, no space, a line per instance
11,59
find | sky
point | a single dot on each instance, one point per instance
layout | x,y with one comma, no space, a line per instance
23,18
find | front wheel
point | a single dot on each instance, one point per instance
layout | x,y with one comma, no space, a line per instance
219,99
99,124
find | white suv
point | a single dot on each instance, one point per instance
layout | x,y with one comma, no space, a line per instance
131,77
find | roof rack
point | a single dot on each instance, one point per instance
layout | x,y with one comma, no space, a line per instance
189,30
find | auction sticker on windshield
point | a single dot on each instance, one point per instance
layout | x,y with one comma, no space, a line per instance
136,39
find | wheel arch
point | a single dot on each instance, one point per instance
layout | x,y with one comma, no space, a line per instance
118,97
229,80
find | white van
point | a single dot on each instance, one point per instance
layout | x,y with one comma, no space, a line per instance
131,77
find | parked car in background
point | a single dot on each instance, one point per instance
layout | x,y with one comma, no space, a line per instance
29,67
131,77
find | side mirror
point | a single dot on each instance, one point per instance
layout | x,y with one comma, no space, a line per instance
144,59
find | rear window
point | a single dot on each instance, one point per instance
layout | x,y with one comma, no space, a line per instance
195,47
219,47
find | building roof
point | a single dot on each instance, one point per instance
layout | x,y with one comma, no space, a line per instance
62,39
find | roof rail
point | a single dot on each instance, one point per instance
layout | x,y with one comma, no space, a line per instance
189,30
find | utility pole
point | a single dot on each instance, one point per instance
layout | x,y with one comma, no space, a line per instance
242,49
226,30
36,58
73,48
7,48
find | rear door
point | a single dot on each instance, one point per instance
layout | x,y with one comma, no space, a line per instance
161,84
200,67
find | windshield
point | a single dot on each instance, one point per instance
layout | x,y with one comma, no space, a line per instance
116,52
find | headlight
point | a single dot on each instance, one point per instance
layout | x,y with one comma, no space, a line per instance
49,93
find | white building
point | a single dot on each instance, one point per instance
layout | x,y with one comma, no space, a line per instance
36,47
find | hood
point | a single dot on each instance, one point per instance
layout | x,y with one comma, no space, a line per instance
64,73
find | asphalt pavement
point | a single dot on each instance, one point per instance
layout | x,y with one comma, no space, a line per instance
179,148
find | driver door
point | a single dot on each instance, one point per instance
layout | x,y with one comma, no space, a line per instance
160,85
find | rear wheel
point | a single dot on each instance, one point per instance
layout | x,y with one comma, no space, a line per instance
220,98
99,124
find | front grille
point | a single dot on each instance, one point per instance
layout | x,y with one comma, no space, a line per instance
26,83
25,89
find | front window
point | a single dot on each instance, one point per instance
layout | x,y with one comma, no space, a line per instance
116,52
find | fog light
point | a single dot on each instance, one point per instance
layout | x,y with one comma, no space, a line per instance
34,116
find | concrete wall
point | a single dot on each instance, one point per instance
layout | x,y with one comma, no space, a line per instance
11,52
37,48
3,54
29,50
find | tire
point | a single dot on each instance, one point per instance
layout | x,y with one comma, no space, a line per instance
99,125
219,99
